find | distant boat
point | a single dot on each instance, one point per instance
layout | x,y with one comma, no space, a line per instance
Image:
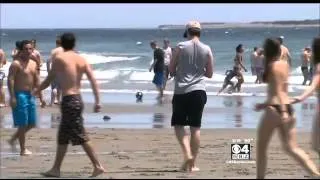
226,32
138,43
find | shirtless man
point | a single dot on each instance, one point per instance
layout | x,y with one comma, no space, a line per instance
55,90
22,79
305,60
285,54
36,56
3,61
260,65
67,69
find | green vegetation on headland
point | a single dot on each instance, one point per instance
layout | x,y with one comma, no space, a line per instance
291,23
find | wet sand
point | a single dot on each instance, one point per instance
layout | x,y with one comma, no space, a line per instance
154,153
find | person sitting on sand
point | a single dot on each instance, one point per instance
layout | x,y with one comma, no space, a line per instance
279,113
67,69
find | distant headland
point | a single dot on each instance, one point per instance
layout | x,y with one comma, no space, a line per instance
257,24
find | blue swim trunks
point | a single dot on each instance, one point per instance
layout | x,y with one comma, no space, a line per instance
24,114
158,79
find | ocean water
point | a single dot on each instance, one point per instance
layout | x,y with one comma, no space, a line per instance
123,56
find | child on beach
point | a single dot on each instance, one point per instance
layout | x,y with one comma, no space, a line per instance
227,81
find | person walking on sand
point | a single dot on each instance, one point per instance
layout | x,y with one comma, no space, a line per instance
260,65
36,56
238,66
67,69
305,60
3,61
158,68
167,57
279,113
22,79
253,59
55,90
192,62
315,86
285,54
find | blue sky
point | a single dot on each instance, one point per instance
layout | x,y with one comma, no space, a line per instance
146,15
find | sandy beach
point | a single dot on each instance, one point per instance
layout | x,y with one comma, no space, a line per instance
147,154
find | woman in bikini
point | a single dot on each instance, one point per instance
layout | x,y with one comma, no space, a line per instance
278,112
238,66
314,86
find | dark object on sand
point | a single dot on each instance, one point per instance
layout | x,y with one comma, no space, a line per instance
139,96
106,118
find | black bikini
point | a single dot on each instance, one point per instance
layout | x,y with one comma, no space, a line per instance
278,108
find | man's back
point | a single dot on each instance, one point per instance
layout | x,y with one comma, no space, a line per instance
284,54
56,51
69,68
158,54
253,58
191,66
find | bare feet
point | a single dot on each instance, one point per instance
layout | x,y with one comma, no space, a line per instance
97,171
25,152
195,169
12,145
43,104
51,173
187,165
